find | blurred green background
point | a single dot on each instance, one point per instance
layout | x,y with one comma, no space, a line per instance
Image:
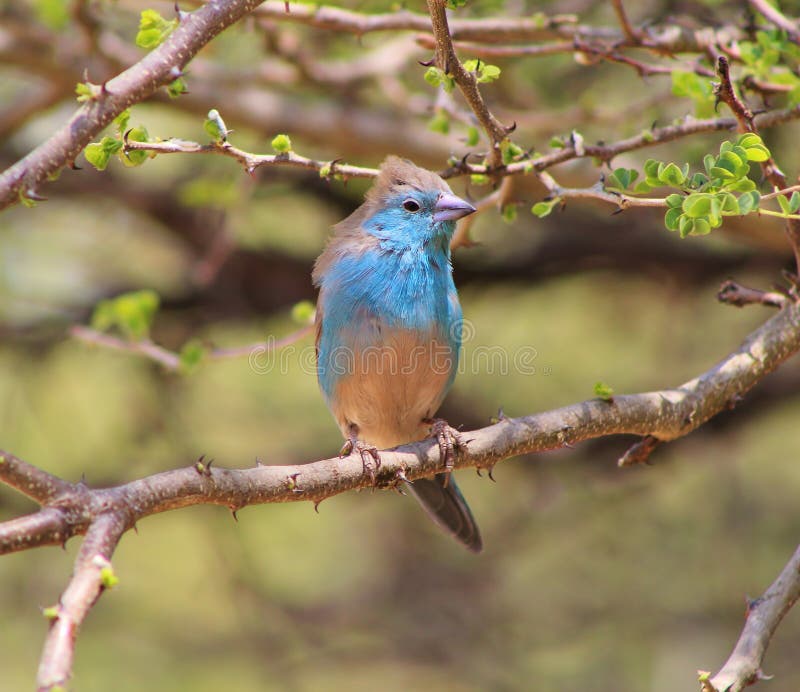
592,578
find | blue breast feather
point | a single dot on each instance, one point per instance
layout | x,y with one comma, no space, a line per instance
387,286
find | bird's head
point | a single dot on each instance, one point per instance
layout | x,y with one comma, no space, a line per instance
410,206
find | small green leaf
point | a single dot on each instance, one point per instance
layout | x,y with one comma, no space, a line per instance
489,73
433,76
729,205
303,312
131,313
191,356
794,202
121,121
784,204
748,202
701,227
674,200
99,153
542,209
153,29
670,174
440,122
672,217
473,136
177,88
282,144
479,179
86,91
509,213
51,612
510,152
604,391
107,578
214,126
136,157
696,205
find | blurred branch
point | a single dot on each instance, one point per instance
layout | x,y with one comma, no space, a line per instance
743,667
733,293
158,68
170,360
774,15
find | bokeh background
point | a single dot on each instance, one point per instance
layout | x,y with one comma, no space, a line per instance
592,578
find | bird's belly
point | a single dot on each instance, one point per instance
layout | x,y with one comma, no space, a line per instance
391,386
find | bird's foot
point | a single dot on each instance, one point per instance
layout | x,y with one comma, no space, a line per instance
449,441
370,459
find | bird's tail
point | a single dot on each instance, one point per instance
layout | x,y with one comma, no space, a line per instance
445,504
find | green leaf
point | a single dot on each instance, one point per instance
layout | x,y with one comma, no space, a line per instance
509,213
433,76
303,312
214,126
121,121
479,179
794,202
784,204
107,578
86,91
440,122
191,356
473,136
99,153
54,14
138,157
131,313
153,29
672,217
510,152
670,174
177,88
696,88
729,205
542,209
674,200
281,144
696,205
604,391
748,202
622,178
489,73
701,227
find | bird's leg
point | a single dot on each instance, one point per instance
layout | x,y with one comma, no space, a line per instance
368,453
449,441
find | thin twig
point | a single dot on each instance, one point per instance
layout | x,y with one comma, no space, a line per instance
632,35
170,360
251,162
743,666
92,571
733,293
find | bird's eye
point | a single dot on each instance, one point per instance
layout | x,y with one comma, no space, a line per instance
411,205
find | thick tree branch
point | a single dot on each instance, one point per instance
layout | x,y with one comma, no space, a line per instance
665,415
447,61
157,68
743,667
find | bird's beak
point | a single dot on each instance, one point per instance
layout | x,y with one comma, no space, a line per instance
449,208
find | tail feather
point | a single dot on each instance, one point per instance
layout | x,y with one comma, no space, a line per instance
447,507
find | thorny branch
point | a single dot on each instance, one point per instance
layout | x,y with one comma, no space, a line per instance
158,68
105,514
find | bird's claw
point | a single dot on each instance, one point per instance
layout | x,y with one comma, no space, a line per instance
370,459
449,441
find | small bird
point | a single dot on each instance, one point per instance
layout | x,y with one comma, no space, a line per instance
389,328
